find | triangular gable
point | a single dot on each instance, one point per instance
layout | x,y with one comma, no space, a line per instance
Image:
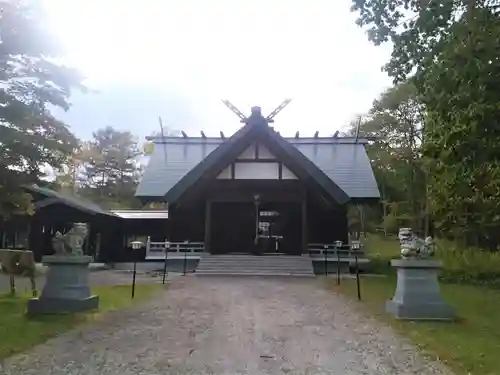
236,145
259,163
205,165
257,150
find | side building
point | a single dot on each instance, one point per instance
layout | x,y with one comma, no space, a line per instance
110,231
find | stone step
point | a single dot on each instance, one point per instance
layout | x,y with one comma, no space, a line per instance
269,270
253,273
246,265
271,265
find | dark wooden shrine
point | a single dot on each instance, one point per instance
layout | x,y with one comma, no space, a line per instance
257,192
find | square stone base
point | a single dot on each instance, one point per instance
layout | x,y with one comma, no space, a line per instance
42,305
421,311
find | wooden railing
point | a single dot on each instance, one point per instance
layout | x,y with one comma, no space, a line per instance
157,249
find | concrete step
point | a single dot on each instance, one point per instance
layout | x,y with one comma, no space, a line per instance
250,265
253,273
272,265
268,270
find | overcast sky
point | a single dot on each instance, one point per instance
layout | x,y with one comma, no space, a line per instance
178,59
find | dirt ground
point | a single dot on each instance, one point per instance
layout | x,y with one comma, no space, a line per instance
229,326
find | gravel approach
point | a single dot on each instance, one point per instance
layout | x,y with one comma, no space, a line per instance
229,326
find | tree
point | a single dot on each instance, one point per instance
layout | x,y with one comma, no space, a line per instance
451,48
396,122
111,170
68,175
31,81
420,30
463,132
148,147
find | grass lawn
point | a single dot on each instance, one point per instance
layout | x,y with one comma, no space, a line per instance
18,332
469,346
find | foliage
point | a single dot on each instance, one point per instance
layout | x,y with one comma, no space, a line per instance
396,120
105,169
20,333
149,146
460,265
31,81
468,346
418,29
463,132
450,48
155,206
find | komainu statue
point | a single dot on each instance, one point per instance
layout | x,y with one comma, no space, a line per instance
413,246
71,242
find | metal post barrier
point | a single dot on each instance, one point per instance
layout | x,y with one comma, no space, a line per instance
325,252
357,276
338,244
136,245
167,247
133,277
185,260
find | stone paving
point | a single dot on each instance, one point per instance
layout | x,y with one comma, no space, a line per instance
229,326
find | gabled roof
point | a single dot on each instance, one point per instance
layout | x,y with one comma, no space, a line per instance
339,165
256,128
54,197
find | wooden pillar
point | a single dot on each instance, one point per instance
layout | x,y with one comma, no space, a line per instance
304,224
208,226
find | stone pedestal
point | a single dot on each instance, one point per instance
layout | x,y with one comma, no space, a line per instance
66,288
417,294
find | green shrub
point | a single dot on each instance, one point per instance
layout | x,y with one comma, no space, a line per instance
470,266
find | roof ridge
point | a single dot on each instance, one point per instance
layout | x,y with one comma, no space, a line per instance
292,140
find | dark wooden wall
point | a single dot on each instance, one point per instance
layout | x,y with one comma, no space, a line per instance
327,225
228,206
58,217
114,245
187,222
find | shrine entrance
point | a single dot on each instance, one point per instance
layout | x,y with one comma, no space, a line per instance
259,229
279,228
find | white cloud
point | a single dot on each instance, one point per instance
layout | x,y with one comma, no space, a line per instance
251,52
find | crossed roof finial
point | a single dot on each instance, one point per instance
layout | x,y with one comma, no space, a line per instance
257,111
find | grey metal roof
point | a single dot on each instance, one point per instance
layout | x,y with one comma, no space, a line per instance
343,160
346,164
71,201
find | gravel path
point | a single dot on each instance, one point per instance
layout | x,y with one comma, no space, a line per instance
230,326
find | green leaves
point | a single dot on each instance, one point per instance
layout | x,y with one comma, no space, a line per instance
31,139
463,132
396,118
110,168
418,29
450,49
